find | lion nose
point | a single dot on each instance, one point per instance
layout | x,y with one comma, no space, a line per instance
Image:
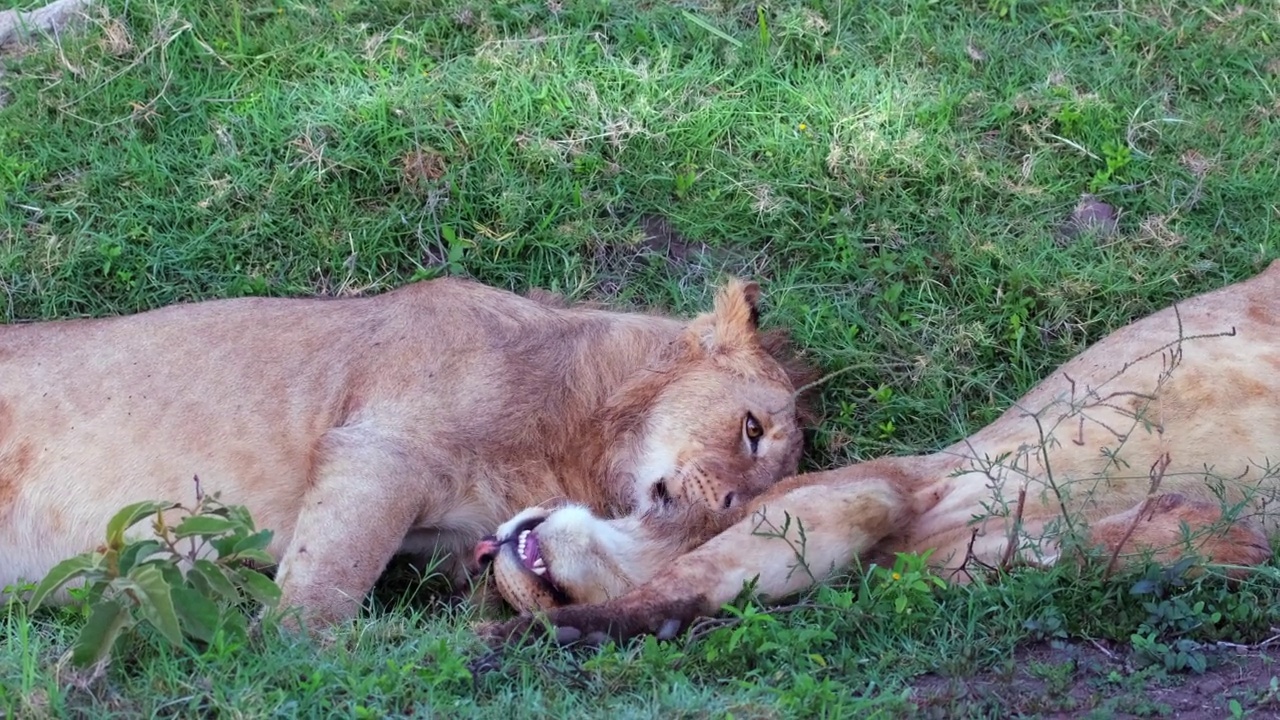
486,550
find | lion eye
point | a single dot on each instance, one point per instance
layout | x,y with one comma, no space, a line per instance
752,428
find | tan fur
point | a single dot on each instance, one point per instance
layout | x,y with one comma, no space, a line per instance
1197,383
408,422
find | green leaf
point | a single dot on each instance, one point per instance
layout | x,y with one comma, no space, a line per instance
107,620
255,556
234,627
239,514
257,541
128,516
212,575
157,606
61,574
259,586
203,525
199,584
200,617
690,17
224,546
133,553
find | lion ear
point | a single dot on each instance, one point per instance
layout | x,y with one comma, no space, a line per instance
734,321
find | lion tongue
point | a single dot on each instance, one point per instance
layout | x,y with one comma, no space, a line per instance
530,553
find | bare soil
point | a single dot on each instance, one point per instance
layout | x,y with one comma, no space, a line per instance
1099,680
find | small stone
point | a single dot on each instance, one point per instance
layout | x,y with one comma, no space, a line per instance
1091,216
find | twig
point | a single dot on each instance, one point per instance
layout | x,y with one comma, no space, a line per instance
1157,475
1007,559
1102,649
827,378
1256,646
970,557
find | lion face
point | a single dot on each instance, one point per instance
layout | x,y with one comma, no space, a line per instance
721,422
714,440
545,558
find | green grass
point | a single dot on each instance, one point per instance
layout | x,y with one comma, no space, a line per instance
896,173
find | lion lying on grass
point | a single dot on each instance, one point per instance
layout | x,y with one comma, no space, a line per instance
409,422
1163,438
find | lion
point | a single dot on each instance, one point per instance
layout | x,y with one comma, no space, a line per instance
1159,441
409,422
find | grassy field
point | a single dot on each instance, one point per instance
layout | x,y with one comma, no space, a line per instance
907,180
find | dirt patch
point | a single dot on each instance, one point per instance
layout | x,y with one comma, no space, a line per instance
661,237
1075,680
421,168
654,245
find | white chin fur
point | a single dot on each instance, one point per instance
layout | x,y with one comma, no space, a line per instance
585,553
657,462
508,528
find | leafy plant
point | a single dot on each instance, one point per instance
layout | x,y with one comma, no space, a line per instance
909,586
188,581
1048,624
1004,9
749,631
1160,639
684,180
1117,157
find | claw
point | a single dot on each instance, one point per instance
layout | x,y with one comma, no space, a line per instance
567,635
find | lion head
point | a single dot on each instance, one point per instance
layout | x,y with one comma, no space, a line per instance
548,557
688,441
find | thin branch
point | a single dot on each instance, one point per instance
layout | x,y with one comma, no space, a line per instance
1007,559
1157,475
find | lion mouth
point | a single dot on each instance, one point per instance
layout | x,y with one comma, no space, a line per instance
528,551
523,546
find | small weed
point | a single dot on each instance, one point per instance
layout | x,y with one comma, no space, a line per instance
128,581
1161,638
1117,158
909,586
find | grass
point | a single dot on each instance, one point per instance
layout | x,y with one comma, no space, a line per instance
897,174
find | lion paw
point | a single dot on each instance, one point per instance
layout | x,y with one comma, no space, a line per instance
594,625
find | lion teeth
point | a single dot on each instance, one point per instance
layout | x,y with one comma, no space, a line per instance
520,542
538,570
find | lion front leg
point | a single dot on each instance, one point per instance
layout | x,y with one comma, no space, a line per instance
799,533
364,497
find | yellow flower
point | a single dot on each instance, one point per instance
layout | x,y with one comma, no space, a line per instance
803,127
897,576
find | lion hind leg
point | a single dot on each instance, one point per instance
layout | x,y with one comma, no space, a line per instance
1171,526
361,503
